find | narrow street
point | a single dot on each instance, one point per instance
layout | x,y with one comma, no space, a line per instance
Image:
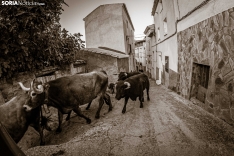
168,125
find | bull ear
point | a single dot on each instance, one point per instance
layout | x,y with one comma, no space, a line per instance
127,84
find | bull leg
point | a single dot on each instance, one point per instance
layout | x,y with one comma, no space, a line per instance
68,116
125,104
142,97
79,113
41,136
147,90
60,117
108,101
39,129
88,105
101,102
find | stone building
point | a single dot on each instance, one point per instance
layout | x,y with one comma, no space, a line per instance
110,26
140,55
150,51
199,44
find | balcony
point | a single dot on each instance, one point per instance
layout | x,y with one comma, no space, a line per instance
150,33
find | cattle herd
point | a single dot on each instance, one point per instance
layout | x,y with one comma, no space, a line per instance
67,94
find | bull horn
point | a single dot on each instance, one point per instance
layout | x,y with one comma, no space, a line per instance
128,85
37,89
23,87
125,74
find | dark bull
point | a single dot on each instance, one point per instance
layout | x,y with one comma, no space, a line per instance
68,93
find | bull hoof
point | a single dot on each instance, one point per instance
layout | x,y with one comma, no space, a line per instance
110,109
88,121
123,111
141,106
87,108
58,130
148,99
97,116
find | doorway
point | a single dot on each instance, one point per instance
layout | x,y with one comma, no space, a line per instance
199,81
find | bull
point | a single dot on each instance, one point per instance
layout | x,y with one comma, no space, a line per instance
125,75
132,88
16,119
68,93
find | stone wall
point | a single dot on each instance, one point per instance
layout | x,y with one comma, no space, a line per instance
210,42
10,88
98,61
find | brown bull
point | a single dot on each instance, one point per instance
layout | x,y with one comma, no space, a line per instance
68,93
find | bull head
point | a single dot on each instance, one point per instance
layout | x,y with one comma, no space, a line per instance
35,95
127,84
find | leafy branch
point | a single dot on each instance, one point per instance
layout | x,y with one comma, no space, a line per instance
31,38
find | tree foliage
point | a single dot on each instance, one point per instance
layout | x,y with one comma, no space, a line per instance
31,38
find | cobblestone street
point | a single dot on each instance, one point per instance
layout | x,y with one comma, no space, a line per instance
168,125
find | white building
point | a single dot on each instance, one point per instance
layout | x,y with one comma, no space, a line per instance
140,56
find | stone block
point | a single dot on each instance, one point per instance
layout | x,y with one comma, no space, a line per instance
221,20
215,20
226,69
226,18
231,21
231,15
211,37
231,10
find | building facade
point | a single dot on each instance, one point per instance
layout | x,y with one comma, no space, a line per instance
110,26
140,55
199,44
150,51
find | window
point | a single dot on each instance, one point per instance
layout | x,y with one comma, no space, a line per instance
158,32
165,26
130,49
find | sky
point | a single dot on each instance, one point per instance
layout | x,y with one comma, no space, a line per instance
72,16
